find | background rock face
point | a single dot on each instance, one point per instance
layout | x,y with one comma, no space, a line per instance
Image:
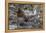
23,16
